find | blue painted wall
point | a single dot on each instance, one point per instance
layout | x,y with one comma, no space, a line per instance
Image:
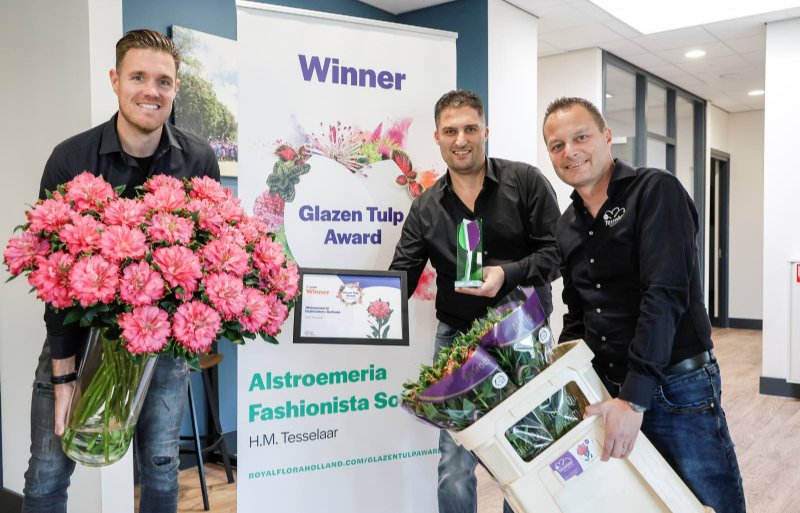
469,19
218,17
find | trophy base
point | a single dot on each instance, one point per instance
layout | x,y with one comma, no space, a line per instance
468,284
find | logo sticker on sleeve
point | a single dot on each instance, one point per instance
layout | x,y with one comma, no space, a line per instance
500,380
613,216
573,462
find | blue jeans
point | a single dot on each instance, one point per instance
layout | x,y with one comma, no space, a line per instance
457,489
686,424
157,435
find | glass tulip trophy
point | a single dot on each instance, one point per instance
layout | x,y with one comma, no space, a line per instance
469,254
166,272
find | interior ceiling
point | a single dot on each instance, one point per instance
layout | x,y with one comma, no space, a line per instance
732,66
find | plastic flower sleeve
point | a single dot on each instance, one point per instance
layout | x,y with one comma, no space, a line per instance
520,341
548,422
461,396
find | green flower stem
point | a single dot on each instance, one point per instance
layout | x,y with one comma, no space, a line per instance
108,396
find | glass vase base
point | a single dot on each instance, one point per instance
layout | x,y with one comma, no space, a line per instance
96,446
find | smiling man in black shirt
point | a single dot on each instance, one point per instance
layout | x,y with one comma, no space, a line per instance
519,211
633,293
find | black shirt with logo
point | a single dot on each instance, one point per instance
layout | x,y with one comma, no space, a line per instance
632,278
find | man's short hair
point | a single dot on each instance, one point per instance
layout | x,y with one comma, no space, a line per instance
567,102
458,98
147,39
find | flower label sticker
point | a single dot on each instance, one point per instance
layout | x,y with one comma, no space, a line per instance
573,462
350,294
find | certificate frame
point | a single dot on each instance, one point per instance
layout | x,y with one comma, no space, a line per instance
335,333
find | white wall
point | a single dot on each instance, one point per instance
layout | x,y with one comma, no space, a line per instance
571,74
745,132
55,55
512,58
741,136
781,186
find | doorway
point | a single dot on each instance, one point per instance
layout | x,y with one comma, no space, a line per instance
719,239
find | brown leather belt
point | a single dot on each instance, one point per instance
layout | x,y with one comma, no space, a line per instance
689,364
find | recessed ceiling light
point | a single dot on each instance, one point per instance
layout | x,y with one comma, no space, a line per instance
609,95
694,54
756,92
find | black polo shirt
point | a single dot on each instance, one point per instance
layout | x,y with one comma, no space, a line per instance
632,278
99,151
519,212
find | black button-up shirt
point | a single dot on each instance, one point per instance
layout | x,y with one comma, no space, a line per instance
632,279
99,151
519,212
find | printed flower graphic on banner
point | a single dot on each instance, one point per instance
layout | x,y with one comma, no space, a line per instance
379,310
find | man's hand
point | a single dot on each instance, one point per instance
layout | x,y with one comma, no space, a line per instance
493,279
622,426
63,393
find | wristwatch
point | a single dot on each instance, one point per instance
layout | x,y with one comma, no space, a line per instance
638,408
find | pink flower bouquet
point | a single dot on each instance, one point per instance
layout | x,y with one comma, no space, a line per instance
168,272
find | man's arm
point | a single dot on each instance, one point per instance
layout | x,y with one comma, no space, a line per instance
574,327
410,254
62,339
666,229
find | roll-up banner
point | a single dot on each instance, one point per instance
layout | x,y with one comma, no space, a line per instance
335,141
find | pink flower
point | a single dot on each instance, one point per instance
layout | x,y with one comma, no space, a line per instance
120,242
94,279
231,210
22,251
140,285
49,215
379,309
208,215
225,255
145,329
252,229
286,280
256,310
163,182
51,279
180,267
269,208
165,198
86,191
268,256
83,235
170,228
195,326
225,293
206,188
125,212
277,315
233,234
426,288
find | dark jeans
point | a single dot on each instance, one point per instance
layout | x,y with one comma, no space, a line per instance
157,434
457,489
687,425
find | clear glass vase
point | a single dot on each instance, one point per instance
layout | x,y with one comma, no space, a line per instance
105,405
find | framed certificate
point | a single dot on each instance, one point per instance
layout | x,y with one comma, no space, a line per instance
351,307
